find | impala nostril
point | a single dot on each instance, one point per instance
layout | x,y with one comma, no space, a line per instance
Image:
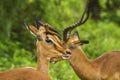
68,52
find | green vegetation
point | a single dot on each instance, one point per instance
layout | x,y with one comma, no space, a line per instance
17,45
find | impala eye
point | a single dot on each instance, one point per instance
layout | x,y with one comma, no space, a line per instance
49,40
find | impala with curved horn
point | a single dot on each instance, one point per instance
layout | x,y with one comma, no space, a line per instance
105,67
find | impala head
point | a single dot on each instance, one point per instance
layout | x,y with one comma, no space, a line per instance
48,41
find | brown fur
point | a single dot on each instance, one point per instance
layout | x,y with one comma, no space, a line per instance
106,67
23,74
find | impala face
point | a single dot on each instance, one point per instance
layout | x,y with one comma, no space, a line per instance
49,44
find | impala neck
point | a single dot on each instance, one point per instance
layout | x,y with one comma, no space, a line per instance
82,66
42,61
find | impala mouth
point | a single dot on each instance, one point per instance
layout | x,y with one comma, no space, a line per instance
67,56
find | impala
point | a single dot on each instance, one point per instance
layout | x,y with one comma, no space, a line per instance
105,67
49,48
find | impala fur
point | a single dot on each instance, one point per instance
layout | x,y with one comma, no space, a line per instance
23,74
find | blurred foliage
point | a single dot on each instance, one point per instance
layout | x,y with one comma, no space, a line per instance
17,45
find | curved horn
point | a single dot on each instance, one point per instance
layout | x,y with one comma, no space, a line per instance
82,20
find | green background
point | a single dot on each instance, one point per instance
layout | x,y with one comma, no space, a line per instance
17,45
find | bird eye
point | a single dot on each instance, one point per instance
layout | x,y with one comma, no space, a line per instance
48,40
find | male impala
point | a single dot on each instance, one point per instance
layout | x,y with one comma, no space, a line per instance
105,67
48,47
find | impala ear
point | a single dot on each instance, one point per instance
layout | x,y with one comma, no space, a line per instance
74,39
76,35
31,28
81,42
39,23
84,42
